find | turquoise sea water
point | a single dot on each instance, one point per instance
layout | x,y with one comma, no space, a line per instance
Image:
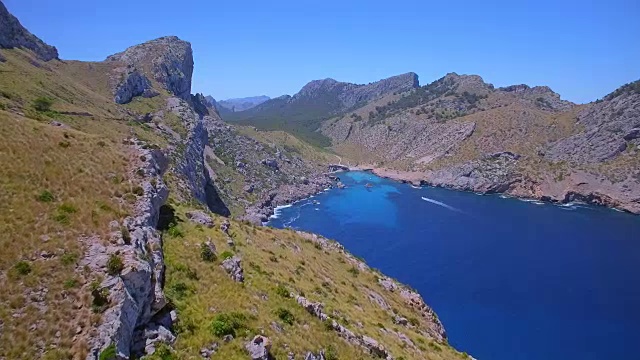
509,279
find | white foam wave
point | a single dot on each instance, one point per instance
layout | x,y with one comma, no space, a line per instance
439,203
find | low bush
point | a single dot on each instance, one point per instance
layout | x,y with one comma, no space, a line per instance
206,253
114,265
285,315
226,255
228,323
175,231
45,196
282,291
42,104
22,267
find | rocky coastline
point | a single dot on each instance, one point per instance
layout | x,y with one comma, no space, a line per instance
577,187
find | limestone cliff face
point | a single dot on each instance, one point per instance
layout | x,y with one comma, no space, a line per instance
136,298
14,35
609,128
167,60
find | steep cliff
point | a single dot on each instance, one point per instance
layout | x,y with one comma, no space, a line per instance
167,62
14,35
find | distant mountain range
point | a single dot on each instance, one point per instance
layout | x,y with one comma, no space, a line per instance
462,132
241,104
317,101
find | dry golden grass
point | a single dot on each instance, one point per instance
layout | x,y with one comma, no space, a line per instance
271,258
80,172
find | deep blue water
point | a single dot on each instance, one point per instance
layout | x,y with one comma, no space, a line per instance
509,279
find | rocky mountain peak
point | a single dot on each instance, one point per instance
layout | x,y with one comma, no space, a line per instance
473,84
14,35
168,60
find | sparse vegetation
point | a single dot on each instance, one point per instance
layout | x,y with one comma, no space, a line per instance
42,104
115,265
285,315
228,323
206,254
45,196
22,267
109,353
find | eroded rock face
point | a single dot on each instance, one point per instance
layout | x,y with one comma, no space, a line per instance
610,127
129,84
14,35
167,60
136,297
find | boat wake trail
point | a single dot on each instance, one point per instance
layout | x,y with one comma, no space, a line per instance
441,204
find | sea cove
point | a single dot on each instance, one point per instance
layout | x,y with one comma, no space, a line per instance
509,279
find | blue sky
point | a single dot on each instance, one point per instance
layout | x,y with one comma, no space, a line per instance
581,49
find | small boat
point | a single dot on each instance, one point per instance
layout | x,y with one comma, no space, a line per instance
368,185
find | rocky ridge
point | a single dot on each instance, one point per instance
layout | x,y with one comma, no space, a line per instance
134,296
14,35
167,60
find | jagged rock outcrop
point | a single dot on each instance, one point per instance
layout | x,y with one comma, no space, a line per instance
233,267
128,82
195,176
136,301
14,35
609,127
167,60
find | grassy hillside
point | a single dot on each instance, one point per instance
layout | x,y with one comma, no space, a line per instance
57,185
277,263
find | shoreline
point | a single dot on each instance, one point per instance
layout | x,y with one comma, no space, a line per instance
521,189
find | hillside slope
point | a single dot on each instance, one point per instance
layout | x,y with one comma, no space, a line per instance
111,249
317,101
463,133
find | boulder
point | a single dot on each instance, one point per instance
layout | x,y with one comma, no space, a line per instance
200,217
233,267
259,348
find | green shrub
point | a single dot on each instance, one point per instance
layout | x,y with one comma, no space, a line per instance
62,218
175,231
179,290
285,315
331,353
282,291
70,283
67,208
45,196
114,265
100,298
138,190
163,352
126,235
69,258
328,324
354,271
227,323
22,267
226,255
42,104
109,353
206,254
